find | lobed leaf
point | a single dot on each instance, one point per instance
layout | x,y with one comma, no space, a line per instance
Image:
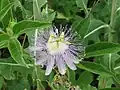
1,81
37,4
82,3
102,48
105,82
4,38
71,73
111,89
82,26
94,68
4,11
18,84
15,50
89,87
85,81
24,26
8,71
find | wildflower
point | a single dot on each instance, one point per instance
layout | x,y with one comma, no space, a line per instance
57,47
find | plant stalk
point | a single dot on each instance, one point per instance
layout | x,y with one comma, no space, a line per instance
111,37
111,31
113,12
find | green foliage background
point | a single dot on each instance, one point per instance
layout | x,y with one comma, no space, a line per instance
97,25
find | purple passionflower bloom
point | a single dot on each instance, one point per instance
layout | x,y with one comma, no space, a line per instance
57,47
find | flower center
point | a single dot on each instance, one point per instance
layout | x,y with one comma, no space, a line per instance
57,44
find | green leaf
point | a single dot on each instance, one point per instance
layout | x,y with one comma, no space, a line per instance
51,78
5,21
102,48
82,26
15,50
85,81
94,23
9,70
25,12
71,73
82,3
76,22
111,89
104,60
82,77
51,16
1,81
37,4
89,87
40,74
94,68
40,86
102,11
105,82
48,16
18,84
4,38
94,29
4,11
61,16
24,26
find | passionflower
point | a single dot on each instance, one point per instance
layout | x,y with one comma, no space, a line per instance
58,47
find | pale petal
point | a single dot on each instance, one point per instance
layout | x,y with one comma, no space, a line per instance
41,61
78,47
73,57
41,57
50,64
61,64
35,48
69,61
